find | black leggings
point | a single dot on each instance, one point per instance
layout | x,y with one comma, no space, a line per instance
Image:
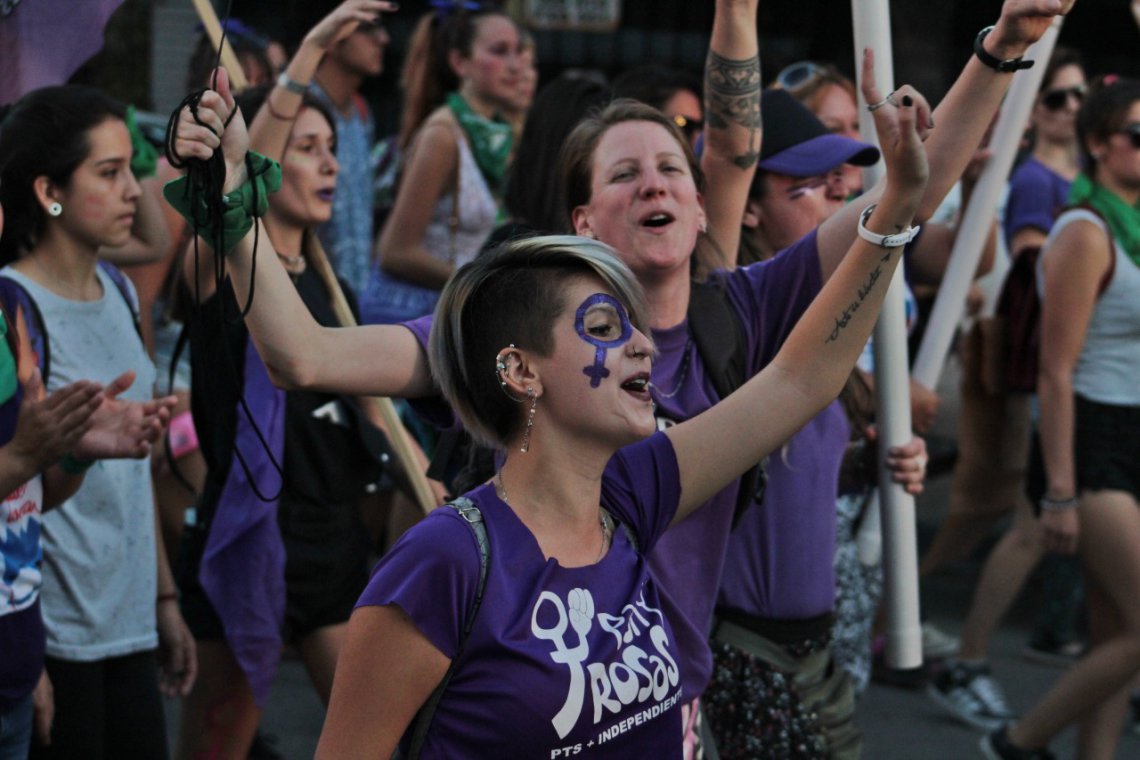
106,710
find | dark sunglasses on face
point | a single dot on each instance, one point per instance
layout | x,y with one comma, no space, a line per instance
798,74
1055,99
691,127
1133,132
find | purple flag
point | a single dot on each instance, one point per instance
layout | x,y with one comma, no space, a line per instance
43,42
243,567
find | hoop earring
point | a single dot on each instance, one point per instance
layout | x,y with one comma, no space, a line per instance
529,419
54,209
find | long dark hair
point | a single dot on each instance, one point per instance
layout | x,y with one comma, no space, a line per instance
44,135
531,196
427,76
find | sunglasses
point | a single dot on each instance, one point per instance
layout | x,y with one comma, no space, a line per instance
798,74
1055,100
691,127
1133,132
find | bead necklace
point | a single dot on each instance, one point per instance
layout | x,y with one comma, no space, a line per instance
603,517
685,360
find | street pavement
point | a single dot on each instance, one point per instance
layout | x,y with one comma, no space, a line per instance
897,723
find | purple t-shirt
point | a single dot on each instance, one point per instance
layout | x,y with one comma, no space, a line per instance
1036,195
780,557
769,298
561,661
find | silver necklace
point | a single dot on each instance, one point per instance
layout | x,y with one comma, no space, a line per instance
292,262
685,360
603,517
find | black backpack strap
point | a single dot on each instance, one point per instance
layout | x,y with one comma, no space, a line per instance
474,519
719,338
124,288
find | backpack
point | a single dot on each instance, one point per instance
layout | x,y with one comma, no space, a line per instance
474,519
1019,308
719,338
14,298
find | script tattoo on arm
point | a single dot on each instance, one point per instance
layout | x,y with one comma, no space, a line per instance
865,289
732,96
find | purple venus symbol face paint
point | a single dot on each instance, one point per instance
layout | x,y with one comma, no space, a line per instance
602,322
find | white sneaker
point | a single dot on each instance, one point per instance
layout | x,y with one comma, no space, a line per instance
971,695
937,644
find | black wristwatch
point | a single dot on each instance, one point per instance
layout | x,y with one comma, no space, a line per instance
1008,66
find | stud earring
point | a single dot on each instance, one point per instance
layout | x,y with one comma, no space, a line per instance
54,208
529,419
704,226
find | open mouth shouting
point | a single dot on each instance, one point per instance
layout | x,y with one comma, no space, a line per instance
638,386
657,220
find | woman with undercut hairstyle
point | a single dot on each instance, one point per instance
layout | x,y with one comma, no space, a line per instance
560,639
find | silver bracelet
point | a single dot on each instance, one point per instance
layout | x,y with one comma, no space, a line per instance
1058,505
291,85
884,241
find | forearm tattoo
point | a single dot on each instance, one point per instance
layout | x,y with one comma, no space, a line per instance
865,289
732,96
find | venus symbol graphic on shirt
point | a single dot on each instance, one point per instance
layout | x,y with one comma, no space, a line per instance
641,671
581,617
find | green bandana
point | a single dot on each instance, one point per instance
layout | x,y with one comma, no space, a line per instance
490,140
144,156
1123,220
242,204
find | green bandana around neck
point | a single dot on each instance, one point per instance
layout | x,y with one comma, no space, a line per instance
490,140
1123,220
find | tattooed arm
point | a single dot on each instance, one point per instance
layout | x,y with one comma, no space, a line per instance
813,364
732,123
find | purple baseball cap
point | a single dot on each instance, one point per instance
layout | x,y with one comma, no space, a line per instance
796,143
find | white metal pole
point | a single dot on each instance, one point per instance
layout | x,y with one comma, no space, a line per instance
979,214
872,29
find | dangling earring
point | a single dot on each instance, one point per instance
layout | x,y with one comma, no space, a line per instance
54,208
529,419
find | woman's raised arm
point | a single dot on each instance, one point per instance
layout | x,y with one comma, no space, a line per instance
811,368
269,131
732,122
374,360
969,107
